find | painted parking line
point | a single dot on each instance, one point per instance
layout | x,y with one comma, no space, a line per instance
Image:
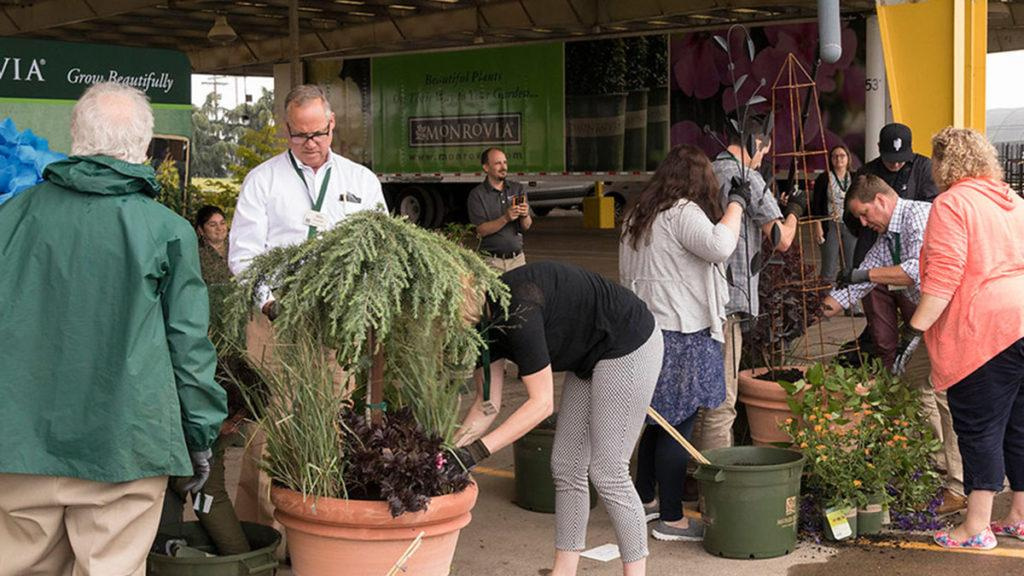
496,472
931,547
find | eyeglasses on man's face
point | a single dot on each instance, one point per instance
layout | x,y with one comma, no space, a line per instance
302,137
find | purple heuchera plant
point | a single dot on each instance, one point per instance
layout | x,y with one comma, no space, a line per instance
397,461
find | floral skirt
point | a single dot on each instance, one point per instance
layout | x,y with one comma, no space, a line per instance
692,375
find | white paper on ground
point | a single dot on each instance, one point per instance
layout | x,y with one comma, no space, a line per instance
604,553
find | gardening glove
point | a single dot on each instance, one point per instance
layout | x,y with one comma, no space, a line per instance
200,469
796,204
899,366
849,277
469,455
739,192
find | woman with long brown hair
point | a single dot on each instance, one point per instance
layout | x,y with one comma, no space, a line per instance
676,238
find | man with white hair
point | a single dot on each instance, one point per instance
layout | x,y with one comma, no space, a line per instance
106,371
286,200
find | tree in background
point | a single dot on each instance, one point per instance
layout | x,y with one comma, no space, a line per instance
226,145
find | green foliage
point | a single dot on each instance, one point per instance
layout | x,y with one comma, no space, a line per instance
656,69
595,67
219,133
219,192
377,274
635,49
171,193
863,433
255,146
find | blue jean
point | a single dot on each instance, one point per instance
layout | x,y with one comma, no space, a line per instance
988,417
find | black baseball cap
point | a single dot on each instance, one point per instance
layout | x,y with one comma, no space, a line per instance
894,144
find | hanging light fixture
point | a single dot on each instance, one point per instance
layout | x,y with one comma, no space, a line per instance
221,32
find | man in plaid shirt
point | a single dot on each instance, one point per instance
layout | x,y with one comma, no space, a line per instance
893,261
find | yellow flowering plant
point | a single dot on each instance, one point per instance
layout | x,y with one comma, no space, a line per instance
863,434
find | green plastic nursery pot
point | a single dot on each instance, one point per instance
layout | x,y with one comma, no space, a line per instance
750,499
259,561
869,518
535,488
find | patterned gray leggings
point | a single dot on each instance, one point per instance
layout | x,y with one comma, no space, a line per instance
598,425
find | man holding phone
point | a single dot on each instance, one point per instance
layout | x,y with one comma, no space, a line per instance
499,209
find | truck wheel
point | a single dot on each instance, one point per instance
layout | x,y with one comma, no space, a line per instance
620,206
417,205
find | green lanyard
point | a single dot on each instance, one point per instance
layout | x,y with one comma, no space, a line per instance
323,190
894,247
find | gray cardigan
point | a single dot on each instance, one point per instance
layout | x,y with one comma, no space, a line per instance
680,271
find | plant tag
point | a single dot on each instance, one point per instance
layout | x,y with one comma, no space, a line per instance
488,408
315,219
837,521
886,518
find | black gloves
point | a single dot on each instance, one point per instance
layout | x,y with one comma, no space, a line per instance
855,276
470,455
200,470
739,192
903,357
796,204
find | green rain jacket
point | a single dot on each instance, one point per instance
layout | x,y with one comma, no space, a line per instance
106,371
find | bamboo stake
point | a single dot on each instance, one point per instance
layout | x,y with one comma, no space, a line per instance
400,565
694,453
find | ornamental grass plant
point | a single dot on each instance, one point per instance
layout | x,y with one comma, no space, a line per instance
373,287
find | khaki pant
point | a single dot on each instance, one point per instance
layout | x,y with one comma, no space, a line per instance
713,428
505,264
935,406
52,525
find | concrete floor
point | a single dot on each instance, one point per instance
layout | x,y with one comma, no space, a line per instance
504,539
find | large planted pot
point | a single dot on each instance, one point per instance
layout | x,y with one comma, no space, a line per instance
766,404
333,536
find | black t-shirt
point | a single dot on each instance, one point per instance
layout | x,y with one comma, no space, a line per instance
569,318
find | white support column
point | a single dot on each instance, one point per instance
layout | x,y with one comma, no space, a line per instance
875,102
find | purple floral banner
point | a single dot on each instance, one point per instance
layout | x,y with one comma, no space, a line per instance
702,87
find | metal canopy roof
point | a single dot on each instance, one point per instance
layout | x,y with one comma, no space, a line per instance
361,27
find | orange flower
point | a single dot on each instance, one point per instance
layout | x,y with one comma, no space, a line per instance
789,420
868,412
857,483
803,444
811,417
817,428
819,447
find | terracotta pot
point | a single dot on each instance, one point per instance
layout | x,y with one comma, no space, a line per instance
766,406
328,536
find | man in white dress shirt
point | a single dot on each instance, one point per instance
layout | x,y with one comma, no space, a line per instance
284,201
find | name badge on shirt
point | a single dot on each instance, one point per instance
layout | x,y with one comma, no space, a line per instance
351,198
315,219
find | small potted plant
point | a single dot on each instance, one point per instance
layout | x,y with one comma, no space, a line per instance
866,442
358,462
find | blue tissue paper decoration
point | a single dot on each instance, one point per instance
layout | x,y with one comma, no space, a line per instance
23,156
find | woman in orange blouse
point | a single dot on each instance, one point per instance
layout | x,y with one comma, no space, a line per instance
972,315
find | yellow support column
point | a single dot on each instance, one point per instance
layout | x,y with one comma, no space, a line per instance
598,210
935,64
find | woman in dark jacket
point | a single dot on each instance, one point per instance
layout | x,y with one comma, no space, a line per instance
829,193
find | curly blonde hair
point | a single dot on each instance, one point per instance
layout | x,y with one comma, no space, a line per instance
959,153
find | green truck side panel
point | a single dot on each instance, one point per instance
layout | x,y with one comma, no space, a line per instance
437,112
